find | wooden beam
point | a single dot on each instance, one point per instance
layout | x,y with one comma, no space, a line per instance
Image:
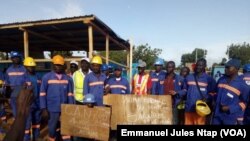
128,58
104,33
113,61
26,43
49,38
91,42
47,22
107,49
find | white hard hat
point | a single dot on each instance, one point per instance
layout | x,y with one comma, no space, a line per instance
86,59
74,62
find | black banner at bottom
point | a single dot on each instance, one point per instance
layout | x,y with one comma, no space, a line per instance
163,132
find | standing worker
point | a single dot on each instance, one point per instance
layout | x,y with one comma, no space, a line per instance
73,67
94,81
141,84
35,112
15,78
2,109
246,78
232,94
156,76
56,89
173,85
118,84
199,86
78,78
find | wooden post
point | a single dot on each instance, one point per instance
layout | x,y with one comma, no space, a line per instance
91,44
107,49
130,62
26,43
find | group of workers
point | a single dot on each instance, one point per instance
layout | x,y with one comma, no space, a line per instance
228,98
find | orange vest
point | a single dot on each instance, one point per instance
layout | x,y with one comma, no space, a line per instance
140,89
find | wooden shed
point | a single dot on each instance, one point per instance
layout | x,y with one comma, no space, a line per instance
82,33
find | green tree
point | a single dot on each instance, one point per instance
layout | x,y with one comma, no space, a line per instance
147,54
239,51
191,57
118,56
223,61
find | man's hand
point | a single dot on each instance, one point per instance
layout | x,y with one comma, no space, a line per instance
171,92
224,108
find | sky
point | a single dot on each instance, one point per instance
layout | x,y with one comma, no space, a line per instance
175,26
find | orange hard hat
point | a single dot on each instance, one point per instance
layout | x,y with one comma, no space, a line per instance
58,60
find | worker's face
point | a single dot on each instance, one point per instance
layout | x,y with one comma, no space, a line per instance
158,68
85,65
16,60
73,68
184,72
200,67
30,69
141,70
170,67
59,68
96,68
118,73
230,70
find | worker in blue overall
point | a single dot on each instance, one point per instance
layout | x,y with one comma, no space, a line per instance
56,89
232,94
34,118
118,84
2,109
156,76
94,81
15,78
246,78
199,86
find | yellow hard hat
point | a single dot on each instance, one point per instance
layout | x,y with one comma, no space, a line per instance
58,60
202,108
181,105
29,61
1,82
96,60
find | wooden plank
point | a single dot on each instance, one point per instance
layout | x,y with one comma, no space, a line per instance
130,61
104,33
91,42
26,43
107,49
132,109
49,38
39,23
82,121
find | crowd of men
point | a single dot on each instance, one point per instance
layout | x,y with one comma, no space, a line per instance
197,99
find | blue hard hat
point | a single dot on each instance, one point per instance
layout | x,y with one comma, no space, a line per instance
233,63
159,61
246,68
89,98
15,54
104,67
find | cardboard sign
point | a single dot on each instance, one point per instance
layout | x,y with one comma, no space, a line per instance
132,109
82,121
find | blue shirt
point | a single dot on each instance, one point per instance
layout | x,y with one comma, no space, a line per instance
207,86
156,86
95,85
55,91
118,86
35,81
234,95
16,78
246,79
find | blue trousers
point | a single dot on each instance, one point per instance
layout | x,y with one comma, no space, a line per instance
33,121
54,126
224,121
